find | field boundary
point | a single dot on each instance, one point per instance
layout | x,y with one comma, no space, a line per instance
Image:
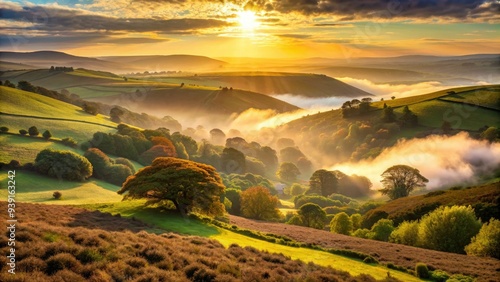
58,119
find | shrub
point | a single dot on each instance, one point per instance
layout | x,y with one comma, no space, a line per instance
487,241
63,164
31,264
439,276
23,132
448,229
4,129
89,255
47,135
315,199
61,261
70,142
382,229
406,233
363,233
421,270
126,162
341,224
117,174
312,215
356,221
33,131
370,260
57,195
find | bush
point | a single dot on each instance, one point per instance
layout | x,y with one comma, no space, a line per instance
362,233
421,270
126,162
439,276
47,135
382,229
23,132
314,199
61,261
312,215
341,224
70,142
356,221
57,195
33,131
63,164
448,229
4,129
487,241
406,233
117,174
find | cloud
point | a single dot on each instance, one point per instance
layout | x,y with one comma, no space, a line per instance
399,90
295,36
57,19
368,9
314,104
445,161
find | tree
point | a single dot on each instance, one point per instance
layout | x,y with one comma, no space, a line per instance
356,221
288,172
296,189
406,233
91,108
189,185
323,182
258,203
382,229
47,135
157,151
312,215
33,131
99,160
233,161
400,180
126,162
291,154
26,86
117,174
23,132
388,115
409,119
487,241
116,113
63,165
217,136
448,229
234,196
490,134
4,129
341,224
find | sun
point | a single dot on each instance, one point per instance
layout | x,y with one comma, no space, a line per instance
248,20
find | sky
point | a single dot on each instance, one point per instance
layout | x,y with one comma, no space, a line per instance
252,28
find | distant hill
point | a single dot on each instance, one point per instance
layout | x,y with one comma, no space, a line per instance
5,66
46,59
271,83
169,63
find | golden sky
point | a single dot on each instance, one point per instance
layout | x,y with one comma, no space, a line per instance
252,28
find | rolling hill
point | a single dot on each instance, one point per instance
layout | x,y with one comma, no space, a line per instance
151,96
183,63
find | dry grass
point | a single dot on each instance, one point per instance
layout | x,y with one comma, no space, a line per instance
72,244
485,269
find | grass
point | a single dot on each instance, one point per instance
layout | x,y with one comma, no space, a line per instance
35,188
58,128
173,222
18,102
483,97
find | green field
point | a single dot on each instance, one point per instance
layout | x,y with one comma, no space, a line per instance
489,98
35,188
179,224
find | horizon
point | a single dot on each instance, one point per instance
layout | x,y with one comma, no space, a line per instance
252,29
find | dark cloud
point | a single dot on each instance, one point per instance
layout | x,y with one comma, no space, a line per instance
57,19
386,9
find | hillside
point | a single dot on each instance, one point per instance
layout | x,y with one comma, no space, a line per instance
46,59
308,85
183,63
71,243
484,199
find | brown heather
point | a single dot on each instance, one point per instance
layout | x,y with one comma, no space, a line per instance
484,269
59,243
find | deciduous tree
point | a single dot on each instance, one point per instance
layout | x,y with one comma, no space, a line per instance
400,180
341,224
190,186
288,172
258,203
323,182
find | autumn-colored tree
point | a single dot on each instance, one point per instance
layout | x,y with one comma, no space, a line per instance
157,151
190,186
400,180
341,223
258,203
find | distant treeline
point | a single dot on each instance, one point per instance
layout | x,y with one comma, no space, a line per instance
66,69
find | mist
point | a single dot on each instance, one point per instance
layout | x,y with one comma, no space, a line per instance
445,161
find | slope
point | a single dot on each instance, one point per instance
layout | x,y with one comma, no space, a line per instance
309,85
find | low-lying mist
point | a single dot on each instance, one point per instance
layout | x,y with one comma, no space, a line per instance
445,161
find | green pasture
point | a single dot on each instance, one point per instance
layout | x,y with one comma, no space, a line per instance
482,97
79,131
35,188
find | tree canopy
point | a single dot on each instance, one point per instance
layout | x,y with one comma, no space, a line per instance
400,180
190,186
323,182
258,203
63,165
